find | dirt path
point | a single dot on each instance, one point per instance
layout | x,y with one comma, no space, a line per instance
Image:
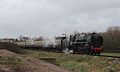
29,64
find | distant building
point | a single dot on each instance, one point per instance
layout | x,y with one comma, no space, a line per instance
10,40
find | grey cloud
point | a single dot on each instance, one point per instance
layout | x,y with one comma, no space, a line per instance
52,17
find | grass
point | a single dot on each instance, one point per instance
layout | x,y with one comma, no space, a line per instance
11,47
111,54
74,66
80,63
10,60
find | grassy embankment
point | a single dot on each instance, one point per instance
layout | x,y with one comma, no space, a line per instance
80,63
10,60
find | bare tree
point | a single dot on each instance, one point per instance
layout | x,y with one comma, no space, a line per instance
112,37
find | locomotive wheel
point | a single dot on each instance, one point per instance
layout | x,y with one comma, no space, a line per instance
98,53
95,53
88,52
74,52
82,52
91,53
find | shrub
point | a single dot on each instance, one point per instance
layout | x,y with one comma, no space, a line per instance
12,47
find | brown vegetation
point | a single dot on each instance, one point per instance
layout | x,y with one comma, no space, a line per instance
112,38
12,62
11,47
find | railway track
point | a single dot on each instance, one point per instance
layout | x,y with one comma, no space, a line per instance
105,56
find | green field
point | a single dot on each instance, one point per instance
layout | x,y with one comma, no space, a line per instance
80,63
10,60
111,54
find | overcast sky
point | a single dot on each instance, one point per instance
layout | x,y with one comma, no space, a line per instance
53,17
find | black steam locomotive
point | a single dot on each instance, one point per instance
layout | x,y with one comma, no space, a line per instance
83,43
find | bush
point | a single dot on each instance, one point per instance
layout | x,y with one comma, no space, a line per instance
112,38
12,47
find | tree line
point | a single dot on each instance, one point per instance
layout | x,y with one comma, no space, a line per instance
112,38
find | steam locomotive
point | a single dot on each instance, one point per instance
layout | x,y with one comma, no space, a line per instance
84,43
